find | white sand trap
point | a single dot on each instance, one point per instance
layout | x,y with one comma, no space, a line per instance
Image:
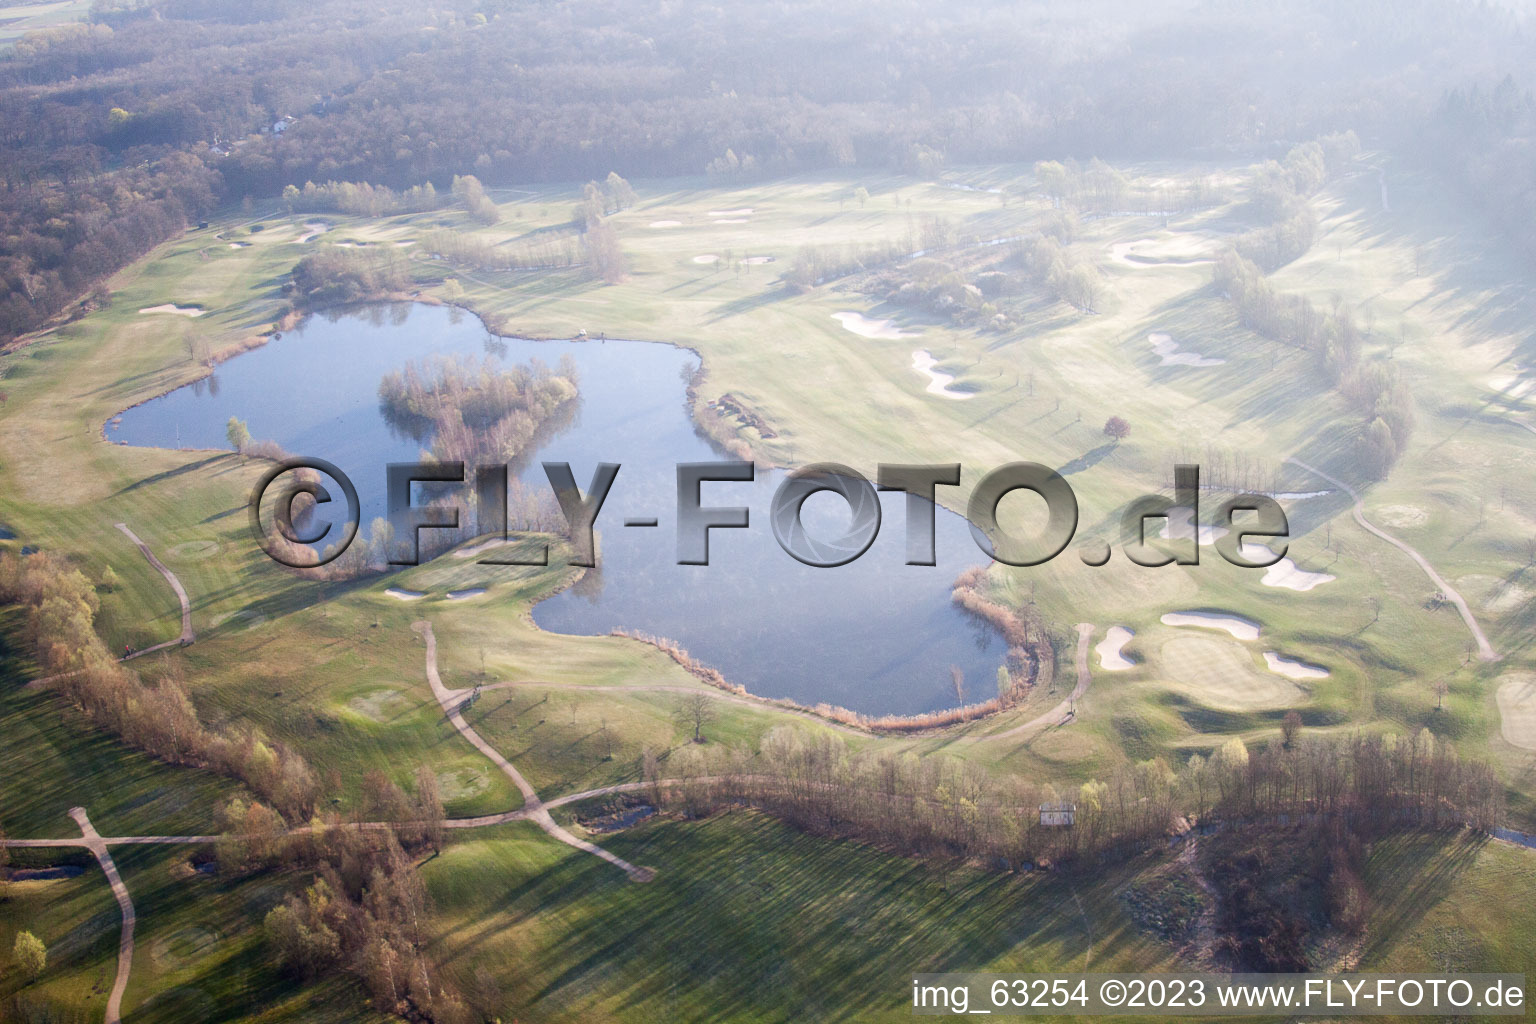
1239,627
1517,709
401,594
1179,526
485,545
731,220
239,245
938,382
1168,350
1300,495
1404,517
758,261
1178,251
1222,674
405,244
707,257
1110,658
381,704
1120,252
745,211
666,224
313,229
865,327
1285,573
171,307
1293,668
465,595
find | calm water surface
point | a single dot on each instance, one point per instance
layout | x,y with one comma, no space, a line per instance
877,636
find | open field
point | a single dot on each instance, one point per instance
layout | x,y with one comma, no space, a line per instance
335,670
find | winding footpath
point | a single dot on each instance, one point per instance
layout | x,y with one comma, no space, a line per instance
533,809
187,636
1484,648
92,841
1064,712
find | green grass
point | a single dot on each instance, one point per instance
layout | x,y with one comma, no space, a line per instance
336,671
749,920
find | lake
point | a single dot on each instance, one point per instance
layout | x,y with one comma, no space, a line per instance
877,636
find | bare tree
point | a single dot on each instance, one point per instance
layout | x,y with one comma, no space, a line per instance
695,711
1290,727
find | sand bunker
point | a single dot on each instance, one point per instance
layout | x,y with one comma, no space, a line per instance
464,595
239,245
707,257
938,382
1517,709
865,327
401,594
1168,350
1110,658
1221,674
731,220
1293,668
1404,517
745,211
1285,573
1179,526
757,261
1239,627
666,224
383,704
485,545
171,307
405,244
1182,251
314,229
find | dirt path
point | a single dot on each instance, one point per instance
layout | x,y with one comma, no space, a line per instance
92,841
1484,648
1064,712
533,808
187,636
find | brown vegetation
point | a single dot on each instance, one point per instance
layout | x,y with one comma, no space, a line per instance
61,607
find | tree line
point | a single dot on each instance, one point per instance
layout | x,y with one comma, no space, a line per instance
938,805
146,118
61,606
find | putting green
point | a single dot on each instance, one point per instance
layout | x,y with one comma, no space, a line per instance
459,783
194,550
1517,708
1221,674
183,946
383,704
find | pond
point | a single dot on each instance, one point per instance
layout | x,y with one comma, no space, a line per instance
877,636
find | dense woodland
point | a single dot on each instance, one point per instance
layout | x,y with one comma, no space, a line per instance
118,133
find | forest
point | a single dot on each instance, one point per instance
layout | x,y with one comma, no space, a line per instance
120,132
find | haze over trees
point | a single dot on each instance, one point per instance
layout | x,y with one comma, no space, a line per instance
120,133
